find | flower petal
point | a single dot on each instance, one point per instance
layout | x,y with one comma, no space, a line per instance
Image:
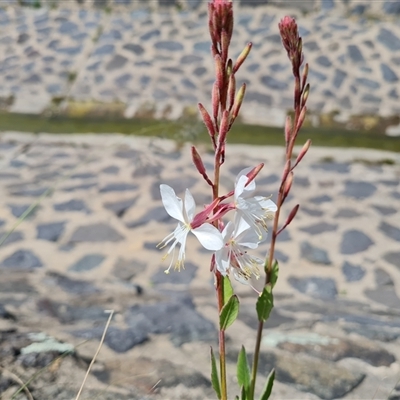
172,204
190,205
209,237
222,260
247,190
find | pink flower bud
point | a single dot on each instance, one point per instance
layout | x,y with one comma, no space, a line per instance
207,121
254,172
288,129
215,101
302,153
198,162
288,184
231,91
289,218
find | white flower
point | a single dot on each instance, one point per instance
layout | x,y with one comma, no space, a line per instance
238,237
256,210
207,234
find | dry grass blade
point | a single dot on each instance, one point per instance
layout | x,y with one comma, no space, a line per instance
97,352
17,380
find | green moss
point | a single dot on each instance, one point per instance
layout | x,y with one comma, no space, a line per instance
240,133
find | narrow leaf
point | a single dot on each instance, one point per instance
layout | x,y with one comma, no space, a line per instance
229,313
243,370
265,303
268,386
274,273
214,376
228,291
243,395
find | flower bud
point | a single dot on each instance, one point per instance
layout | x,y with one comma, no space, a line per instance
231,91
302,153
198,162
301,119
215,97
207,120
288,129
242,57
305,95
254,172
238,101
289,218
288,184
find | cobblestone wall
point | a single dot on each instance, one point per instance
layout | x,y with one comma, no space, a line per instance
142,58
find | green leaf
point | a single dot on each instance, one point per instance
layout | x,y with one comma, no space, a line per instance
243,370
243,395
214,376
228,291
274,273
265,303
229,313
268,386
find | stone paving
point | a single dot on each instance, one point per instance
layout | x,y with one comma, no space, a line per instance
89,245
159,60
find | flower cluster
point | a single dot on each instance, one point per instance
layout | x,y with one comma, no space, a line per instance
229,242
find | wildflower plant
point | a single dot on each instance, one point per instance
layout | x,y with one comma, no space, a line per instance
230,242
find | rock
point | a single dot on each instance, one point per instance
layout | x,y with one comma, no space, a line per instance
323,61
382,278
67,313
168,45
136,49
118,187
117,62
355,54
112,170
22,260
155,214
280,256
358,189
150,34
388,74
84,186
74,286
335,349
391,7
321,199
272,83
248,316
83,175
319,228
354,241
311,212
178,318
393,258
332,166
385,210
104,50
120,207
99,232
87,263
353,273
11,237
29,192
388,296
72,205
119,340
347,213
373,332
147,170
127,269
178,184
338,79
390,231
181,278
322,288
324,379
388,39
368,83
314,254
51,231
